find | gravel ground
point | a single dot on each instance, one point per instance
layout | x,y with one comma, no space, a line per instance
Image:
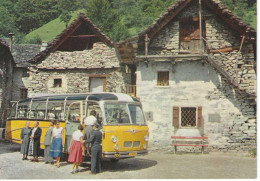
154,165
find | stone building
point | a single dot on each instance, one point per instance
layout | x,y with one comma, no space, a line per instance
6,75
195,72
22,54
81,59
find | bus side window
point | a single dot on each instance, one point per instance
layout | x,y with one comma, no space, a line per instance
38,109
55,110
12,112
74,112
92,106
23,110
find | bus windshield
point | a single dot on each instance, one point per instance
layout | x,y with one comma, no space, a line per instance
123,113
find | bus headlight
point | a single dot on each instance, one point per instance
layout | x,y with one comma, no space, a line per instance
144,146
146,138
113,139
116,147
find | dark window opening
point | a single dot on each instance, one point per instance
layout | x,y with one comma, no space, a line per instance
190,34
188,116
25,73
57,83
163,79
239,66
23,93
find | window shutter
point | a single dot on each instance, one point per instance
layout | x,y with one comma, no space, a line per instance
199,116
175,121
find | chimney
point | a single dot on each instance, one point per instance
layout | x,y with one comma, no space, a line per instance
44,45
11,35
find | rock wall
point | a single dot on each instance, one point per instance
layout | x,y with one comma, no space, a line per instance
75,69
228,118
239,65
73,81
101,56
228,113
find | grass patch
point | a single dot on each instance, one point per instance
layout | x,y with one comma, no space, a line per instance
50,30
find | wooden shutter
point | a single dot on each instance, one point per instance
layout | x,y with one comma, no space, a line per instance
175,121
104,84
199,116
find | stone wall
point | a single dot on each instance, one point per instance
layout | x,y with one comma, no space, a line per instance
75,69
228,118
101,56
73,81
20,81
239,65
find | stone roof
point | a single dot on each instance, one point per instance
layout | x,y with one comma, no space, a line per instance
23,53
52,46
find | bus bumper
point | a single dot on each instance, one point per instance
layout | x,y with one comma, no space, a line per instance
124,154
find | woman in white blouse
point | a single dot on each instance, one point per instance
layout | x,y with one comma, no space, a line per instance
57,143
75,149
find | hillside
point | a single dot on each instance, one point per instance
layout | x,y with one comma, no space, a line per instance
34,21
50,30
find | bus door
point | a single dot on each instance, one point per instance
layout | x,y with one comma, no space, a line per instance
74,118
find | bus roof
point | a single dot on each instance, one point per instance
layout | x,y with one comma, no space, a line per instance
80,96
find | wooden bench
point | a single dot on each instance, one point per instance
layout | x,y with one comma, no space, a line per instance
189,141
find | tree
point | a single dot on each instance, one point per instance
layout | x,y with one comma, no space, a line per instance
31,14
7,22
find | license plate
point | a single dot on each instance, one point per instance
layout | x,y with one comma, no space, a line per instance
132,154
117,155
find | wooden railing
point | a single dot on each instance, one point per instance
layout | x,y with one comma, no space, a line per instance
130,90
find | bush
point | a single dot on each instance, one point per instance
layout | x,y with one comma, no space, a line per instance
35,40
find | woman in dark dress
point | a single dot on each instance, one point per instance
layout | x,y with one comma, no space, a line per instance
25,138
36,136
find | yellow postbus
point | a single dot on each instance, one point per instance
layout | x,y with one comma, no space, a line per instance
124,130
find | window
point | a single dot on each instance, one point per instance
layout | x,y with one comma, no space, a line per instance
55,110
57,83
190,33
74,112
97,84
23,93
163,78
38,109
23,109
187,117
116,113
136,114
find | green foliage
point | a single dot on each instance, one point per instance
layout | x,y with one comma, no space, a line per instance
31,14
35,40
119,19
19,38
6,23
51,29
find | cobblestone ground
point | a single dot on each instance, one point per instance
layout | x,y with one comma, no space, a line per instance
154,165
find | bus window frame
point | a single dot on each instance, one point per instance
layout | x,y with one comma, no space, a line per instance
102,106
81,111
